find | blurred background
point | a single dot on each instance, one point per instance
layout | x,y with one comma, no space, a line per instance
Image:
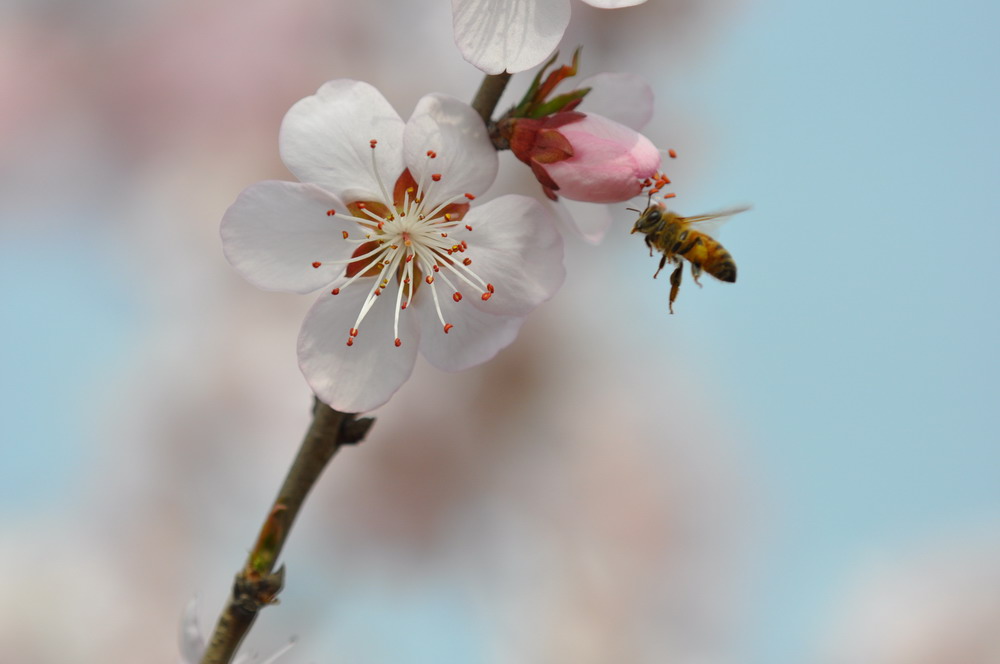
802,467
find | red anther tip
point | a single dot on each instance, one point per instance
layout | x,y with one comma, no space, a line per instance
350,341
345,234
468,227
403,305
437,268
444,235
431,154
361,206
470,197
398,342
487,296
335,291
316,264
354,332
447,326
429,279
457,296
373,142
436,177
670,195
489,287
378,291
672,153
467,261
330,213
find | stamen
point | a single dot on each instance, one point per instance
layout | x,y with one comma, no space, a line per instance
447,326
330,213
316,264
335,291
457,296
672,153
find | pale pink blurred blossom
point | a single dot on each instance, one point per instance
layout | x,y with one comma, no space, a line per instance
192,641
417,248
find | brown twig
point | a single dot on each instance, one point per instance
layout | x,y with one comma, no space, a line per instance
486,99
258,583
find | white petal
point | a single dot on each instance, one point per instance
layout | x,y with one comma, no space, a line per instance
363,376
476,337
624,98
275,231
511,35
613,4
515,246
325,139
588,220
192,642
465,157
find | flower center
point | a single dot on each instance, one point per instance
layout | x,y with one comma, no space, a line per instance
411,236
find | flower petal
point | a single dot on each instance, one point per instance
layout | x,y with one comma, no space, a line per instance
365,375
586,219
515,246
477,336
464,156
511,35
613,4
609,161
275,232
624,98
325,139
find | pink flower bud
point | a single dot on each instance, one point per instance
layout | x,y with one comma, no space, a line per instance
584,157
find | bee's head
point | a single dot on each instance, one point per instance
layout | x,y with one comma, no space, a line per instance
650,219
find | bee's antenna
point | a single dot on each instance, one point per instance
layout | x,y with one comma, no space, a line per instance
633,210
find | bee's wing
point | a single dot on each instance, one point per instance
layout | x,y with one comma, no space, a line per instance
710,223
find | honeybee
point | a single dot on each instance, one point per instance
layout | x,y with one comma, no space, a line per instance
680,238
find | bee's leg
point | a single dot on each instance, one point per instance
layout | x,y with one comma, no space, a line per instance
663,261
695,273
650,245
675,284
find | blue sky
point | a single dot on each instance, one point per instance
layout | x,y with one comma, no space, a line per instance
860,345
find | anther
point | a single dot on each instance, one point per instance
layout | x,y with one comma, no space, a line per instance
431,154
335,291
468,227
373,143
457,296
436,268
350,341
436,177
489,287
447,326
353,332
345,234
429,279
672,153
398,342
444,235
330,213
316,264
470,197
466,261
487,296
670,195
